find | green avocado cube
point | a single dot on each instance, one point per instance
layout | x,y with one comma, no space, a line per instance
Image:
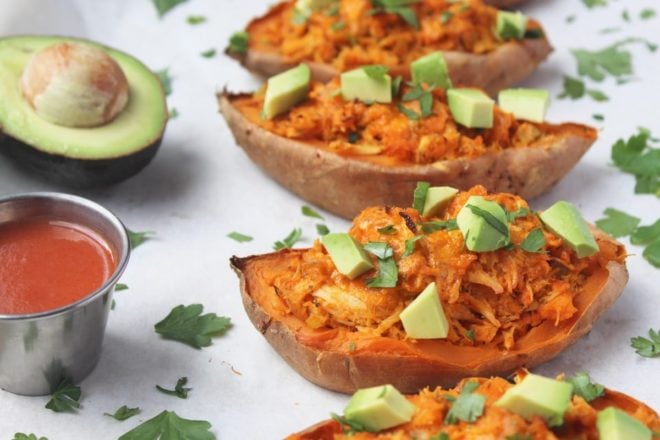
437,197
511,25
538,396
379,408
357,84
485,227
431,70
614,424
285,90
527,104
349,257
565,220
471,107
424,317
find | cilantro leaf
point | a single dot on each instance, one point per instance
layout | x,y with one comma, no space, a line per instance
238,42
519,437
348,427
381,250
597,95
120,286
164,6
179,390
424,97
322,229
66,397
210,53
137,238
396,85
288,241
376,71
21,436
647,13
410,114
652,253
174,113
165,80
124,412
241,238
625,15
387,230
534,241
612,60
636,156
583,387
409,246
468,407
647,347
493,221
573,88
439,225
194,20
598,117
169,426
440,436
338,25
388,273
309,212
511,216
617,223
398,7
187,324
470,335
445,17
419,196
646,234
593,3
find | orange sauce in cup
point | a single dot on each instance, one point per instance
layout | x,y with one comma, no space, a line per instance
46,264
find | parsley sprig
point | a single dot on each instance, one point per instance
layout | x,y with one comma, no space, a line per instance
187,324
65,398
647,347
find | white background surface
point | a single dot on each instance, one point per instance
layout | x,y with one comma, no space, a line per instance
201,186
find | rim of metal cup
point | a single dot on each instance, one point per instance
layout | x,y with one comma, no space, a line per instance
107,215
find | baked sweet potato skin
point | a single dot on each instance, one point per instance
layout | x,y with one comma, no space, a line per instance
325,178
324,358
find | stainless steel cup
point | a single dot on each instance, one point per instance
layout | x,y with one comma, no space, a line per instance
40,349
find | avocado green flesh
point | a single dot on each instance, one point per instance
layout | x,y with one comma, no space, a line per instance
138,126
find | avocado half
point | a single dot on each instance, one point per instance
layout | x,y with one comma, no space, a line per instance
79,157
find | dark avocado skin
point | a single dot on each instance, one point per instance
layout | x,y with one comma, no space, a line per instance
77,173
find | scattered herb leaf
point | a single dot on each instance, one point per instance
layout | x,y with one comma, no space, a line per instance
196,19
241,238
438,225
583,387
21,436
594,3
388,273
636,156
409,247
652,253
570,19
647,347
519,437
617,223
419,196
174,113
165,6
511,216
66,397
468,407
625,15
410,114
353,137
376,71
179,390
124,413
598,117
387,230
647,13
445,17
238,42
120,286
381,250
470,335
288,241
573,88
322,229
348,427
187,324
399,7
165,80
310,212
168,425
440,436
597,95
208,53
534,241
396,85
338,25
646,234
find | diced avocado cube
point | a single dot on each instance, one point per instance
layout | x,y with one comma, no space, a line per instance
379,408
538,396
614,424
527,104
485,227
511,25
437,198
431,70
349,257
285,90
357,84
565,220
471,107
424,317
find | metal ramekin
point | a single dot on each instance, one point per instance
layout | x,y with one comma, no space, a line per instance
38,350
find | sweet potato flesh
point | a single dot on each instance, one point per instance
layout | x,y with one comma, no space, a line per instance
382,133
495,423
502,300
354,36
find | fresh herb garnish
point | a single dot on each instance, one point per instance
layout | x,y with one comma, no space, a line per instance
612,60
124,413
617,223
597,95
168,425
164,6
338,25
348,427
489,218
419,196
174,113
120,286
300,15
208,53
598,117
165,80
396,85
66,397
387,230
388,273
445,17
187,324
137,238
468,407
241,238
646,234
570,18
519,437
410,114
647,13
376,71
439,225
399,7
322,229
575,89
179,390
636,156
625,15
652,253
511,216
534,241
534,34
583,387
409,246
647,347
238,42
424,97
288,241
470,335
310,212
21,436
194,20
593,3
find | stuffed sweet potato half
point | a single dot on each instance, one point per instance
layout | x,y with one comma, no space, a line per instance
496,302
327,146
474,410
334,36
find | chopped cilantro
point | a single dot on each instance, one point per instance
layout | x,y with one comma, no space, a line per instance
470,335
174,113
322,229
534,241
308,211
570,19
424,97
419,196
410,114
652,253
165,80
583,387
187,324
519,437
196,19
511,216
241,238
396,85
573,88
440,436
300,15
21,436
534,34
288,241
168,425
164,6
597,95
210,53
179,390
612,60
409,247
399,7
636,156
388,273
238,42
594,3
609,30
387,230
438,225
468,407
646,234
379,249
617,223
376,71
647,347
120,286
124,413
338,25
66,397
625,15
647,13
598,117
445,17
348,427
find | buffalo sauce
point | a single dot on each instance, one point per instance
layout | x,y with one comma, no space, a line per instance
46,264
